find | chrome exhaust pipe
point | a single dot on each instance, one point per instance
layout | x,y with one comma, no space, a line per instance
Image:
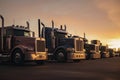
39,28
28,25
52,25
61,27
2,32
43,33
84,36
65,27
53,36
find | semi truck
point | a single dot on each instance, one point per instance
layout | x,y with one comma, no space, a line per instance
104,51
117,52
92,50
62,47
111,52
18,45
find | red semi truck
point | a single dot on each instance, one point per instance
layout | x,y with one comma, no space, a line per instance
17,45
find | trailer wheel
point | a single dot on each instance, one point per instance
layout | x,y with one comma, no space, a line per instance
18,57
61,56
40,62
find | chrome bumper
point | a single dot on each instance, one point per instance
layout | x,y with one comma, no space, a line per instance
36,56
96,55
106,55
77,56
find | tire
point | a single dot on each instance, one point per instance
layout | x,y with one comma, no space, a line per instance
88,56
18,57
61,56
39,62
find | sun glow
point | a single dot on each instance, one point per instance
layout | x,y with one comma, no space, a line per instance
114,43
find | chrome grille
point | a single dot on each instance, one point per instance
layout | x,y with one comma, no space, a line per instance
97,48
40,46
79,45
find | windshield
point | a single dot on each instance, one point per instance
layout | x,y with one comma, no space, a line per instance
21,33
92,47
103,48
61,35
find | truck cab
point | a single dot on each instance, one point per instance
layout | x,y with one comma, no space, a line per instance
18,44
104,52
111,52
62,47
92,51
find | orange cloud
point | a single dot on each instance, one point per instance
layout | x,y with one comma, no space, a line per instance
112,8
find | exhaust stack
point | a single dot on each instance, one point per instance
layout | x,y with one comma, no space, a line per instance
53,36
65,27
39,28
28,25
52,25
43,33
61,27
85,40
2,32
84,36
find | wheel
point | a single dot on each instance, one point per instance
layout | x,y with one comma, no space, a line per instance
87,56
39,62
17,57
61,56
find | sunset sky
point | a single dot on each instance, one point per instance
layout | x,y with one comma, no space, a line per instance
99,19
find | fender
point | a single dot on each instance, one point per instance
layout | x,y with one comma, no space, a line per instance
66,48
21,47
60,47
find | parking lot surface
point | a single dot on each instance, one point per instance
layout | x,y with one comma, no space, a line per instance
100,69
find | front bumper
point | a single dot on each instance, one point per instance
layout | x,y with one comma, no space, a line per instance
105,55
36,56
96,55
77,56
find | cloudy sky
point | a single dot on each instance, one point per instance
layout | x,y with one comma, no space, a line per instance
99,19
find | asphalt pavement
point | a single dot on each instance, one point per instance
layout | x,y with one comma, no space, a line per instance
100,69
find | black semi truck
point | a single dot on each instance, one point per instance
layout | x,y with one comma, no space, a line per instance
62,47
